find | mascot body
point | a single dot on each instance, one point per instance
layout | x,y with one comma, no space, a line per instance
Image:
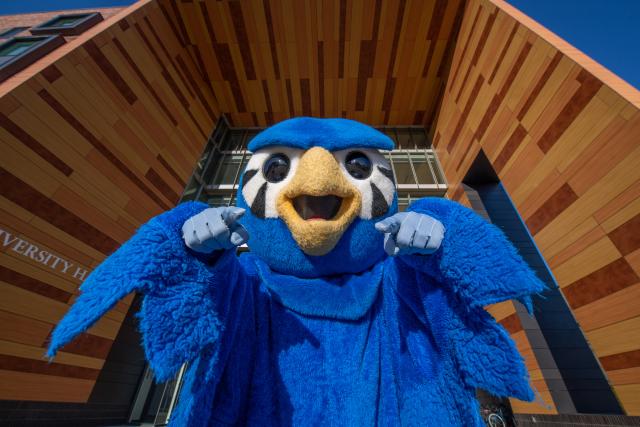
330,319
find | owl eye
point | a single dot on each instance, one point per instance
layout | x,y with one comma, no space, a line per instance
276,168
358,165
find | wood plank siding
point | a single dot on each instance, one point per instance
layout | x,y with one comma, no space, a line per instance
97,137
382,61
104,132
562,133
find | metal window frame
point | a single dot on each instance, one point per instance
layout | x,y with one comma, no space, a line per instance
242,153
42,46
11,31
223,131
438,186
85,21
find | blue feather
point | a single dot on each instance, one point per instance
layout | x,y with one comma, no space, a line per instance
475,259
331,134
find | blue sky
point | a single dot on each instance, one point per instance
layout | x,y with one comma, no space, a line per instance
10,7
606,30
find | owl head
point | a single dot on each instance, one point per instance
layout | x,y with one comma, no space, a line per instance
313,190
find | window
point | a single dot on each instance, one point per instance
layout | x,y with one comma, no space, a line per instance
402,168
229,169
217,175
216,201
68,25
403,139
417,169
407,138
5,34
18,47
421,168
20,52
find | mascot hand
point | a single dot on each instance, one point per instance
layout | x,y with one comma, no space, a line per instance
411,233
214,229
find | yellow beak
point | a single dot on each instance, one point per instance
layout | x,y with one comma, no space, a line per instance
318,174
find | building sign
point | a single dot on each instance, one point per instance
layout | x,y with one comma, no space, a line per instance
27,249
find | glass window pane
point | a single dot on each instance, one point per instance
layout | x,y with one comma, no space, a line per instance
402,168
219,200
12,31
211,170
191,190
203,159
233,141
419,138
220,131
228,169
17,47
436,169
422,168
404,139
66,21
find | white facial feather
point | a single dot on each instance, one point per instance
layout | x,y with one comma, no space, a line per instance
385,185
252,187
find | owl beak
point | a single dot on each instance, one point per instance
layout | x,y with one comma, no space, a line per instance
319,203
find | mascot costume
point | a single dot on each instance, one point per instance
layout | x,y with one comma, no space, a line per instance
344,313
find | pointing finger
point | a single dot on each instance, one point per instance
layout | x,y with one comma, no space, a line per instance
231,214
384,225
391,224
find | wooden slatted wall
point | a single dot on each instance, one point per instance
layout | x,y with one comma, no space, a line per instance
382,61
102,134
563,135
96,138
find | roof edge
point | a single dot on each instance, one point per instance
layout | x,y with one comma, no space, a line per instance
606,76
65,11
34,69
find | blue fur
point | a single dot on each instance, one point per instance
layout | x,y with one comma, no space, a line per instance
493,270
344,297
331,134
413,357
180,293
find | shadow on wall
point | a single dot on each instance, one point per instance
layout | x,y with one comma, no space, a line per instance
572,372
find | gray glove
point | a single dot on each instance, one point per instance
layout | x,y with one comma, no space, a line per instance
214,229
411,233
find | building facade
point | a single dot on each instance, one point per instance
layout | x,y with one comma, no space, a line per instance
109,121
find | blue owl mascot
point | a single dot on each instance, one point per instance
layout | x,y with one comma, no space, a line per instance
344,312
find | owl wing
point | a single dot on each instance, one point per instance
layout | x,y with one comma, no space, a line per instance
186,300
475,266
